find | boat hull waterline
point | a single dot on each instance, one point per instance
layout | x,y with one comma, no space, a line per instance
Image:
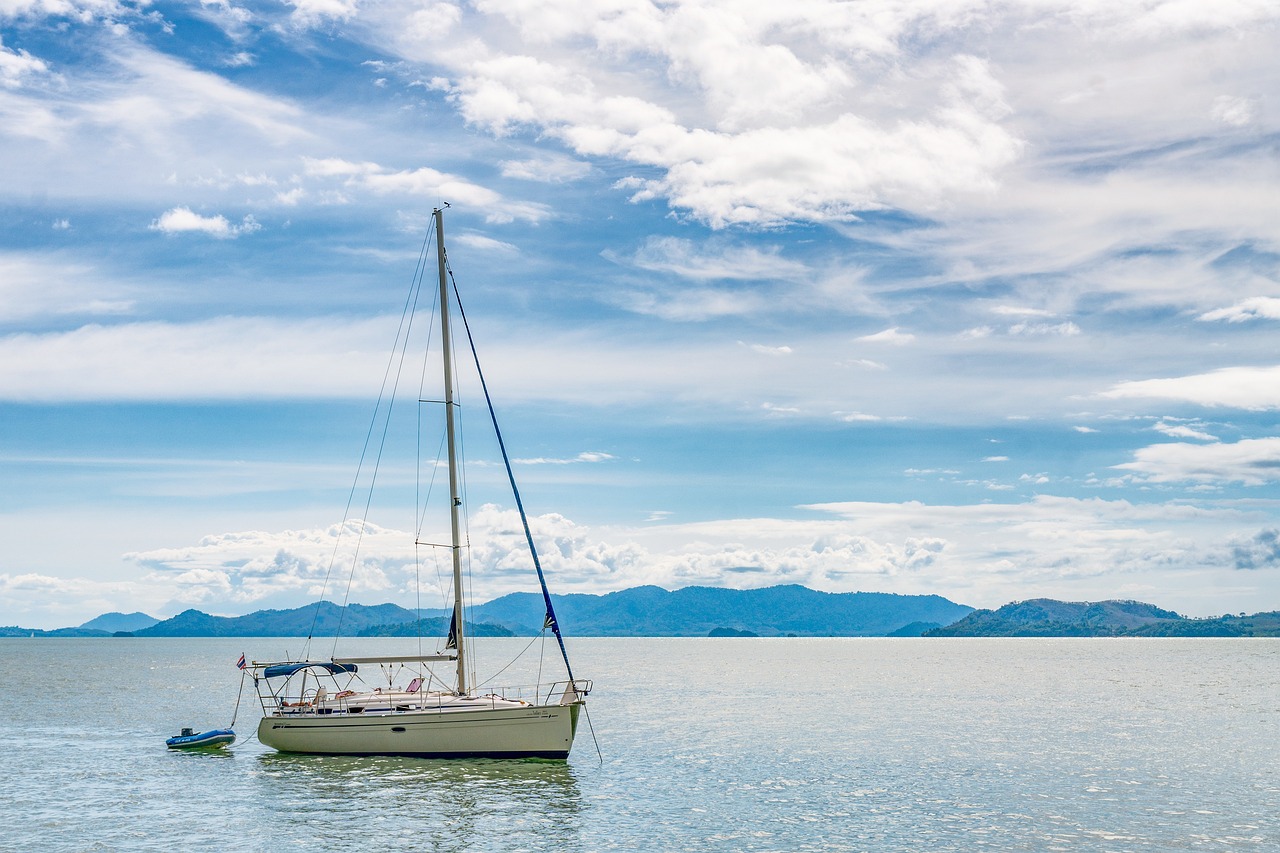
530,731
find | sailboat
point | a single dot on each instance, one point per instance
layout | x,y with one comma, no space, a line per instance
327,707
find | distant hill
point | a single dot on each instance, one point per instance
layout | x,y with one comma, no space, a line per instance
433,626
730,632
650,611
1045,617
15,631
382,620
112,622
320,620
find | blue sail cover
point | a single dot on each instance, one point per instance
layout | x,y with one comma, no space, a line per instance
286,669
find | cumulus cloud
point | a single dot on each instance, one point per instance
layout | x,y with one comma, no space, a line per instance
1069,547
181,220
982,554
250,566
1260,552
16,65
762,118
309,12
1253,462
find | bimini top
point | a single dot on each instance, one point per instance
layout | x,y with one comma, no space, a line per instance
278,670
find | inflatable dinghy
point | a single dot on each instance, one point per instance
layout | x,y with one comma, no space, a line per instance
192,740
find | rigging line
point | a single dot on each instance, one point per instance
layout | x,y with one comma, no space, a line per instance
468,598
509,663
410,299
511,477
418,500
592,729
406,321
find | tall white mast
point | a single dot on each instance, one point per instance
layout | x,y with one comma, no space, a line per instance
455,494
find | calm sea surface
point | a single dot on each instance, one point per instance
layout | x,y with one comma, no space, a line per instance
708,745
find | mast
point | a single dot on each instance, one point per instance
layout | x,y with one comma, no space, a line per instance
455,495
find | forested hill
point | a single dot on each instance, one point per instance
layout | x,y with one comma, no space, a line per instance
650,611
696,611
647,611
1045,617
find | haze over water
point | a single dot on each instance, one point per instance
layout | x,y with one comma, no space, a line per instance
763,745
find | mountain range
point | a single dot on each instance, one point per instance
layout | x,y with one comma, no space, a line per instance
651,611
647,611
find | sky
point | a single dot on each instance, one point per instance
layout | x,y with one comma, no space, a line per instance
976,298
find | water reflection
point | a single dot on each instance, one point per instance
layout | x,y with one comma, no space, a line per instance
443,805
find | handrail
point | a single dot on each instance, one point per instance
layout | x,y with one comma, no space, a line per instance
392,701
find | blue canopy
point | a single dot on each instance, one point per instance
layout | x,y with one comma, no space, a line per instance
287,669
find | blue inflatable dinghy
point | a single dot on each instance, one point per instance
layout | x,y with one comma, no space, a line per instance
193,740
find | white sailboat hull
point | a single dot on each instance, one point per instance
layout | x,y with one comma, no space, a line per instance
530,731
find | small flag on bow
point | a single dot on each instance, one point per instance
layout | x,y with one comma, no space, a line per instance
240,663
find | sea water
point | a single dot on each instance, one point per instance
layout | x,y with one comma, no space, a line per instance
704,745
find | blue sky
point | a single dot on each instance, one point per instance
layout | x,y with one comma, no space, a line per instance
969,298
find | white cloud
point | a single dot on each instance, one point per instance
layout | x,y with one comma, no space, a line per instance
154,97
183,220
427,183
547,168
1251,388
1182,430
225,358
1044,329
1261,551
310,12
765,349
15,65
1253,308
888,336
588,456
1017,311
714,262
1234,111
484,244
36,286
759,117
1253,462
1178,555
